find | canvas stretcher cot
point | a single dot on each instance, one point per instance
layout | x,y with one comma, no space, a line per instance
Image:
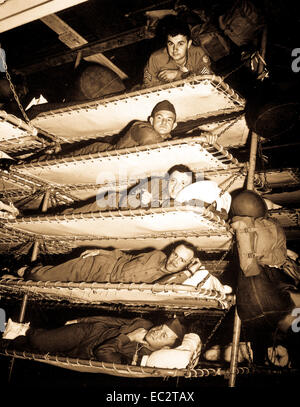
21,242
17,135
194,98
289,220
164,296
128,165
141,297
126,224
130,371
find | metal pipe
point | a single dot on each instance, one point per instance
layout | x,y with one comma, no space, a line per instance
23,306
263,50
237,321
46,200
234,349
252,161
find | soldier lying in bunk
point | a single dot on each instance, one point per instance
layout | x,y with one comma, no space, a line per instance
175,188
181,266
157,129
178,187
103,338
116,266
152,192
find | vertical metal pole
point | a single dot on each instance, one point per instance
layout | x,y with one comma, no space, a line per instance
237,321
263,51
23,307
234,349
46,200
252,161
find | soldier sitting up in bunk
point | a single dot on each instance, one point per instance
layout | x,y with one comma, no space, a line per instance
178,59
116,266
103,338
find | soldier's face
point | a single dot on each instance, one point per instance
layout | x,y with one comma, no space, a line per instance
163,122
177,181
179,259
160,336
178,46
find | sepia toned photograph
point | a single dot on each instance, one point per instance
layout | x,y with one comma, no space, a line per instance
149,198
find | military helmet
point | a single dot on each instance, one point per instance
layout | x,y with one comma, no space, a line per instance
248,203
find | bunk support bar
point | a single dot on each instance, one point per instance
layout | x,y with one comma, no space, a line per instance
46,200
237,321
252,161
263,49
235,349
23,306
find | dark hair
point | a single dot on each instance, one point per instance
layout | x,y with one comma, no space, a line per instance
177,26
188,245
181,168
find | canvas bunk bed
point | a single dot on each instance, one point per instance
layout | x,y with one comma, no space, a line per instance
209,98
202,101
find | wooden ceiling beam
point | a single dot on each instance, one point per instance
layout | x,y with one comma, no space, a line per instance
87,50
14,13
72,39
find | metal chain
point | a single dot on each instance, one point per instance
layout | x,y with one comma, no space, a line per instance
214,330
234,177
224,254
229,126
11,85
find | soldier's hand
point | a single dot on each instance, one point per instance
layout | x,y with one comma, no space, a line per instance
138,335
167,75
194,265
73,321
89,253
146,197
211,138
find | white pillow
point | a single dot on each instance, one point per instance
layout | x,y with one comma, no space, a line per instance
177,358
206,191
212,283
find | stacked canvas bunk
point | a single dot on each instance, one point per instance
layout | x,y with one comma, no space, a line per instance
203,103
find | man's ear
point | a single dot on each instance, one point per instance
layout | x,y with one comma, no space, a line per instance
189,43
151,120
174,125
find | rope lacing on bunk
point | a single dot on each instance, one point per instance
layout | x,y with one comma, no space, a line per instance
204,345
232,179
215,81
60,193
61,244
225,155
26,118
